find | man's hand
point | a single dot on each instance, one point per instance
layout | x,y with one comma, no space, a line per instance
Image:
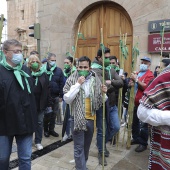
108,82
103,88
131,83
122,77
133,76
81,80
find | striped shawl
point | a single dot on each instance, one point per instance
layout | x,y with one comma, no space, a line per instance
77,106
157,95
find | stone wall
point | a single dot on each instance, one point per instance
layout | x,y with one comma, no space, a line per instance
21,14
59,18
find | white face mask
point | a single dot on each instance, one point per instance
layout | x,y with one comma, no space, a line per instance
143,67
17,58
52,63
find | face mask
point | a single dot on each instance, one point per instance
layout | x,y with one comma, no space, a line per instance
34,66
143,67
106,62
52,63
113,66
84,73
66,66
17,58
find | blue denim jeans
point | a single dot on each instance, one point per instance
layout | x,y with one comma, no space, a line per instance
82,141
114,123
99,125
39,128
24,147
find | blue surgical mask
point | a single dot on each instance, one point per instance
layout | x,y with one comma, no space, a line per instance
52,63
17,58
143,67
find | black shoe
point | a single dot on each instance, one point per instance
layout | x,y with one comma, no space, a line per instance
107,153
101,160
46,134
134,142
140,148
53,133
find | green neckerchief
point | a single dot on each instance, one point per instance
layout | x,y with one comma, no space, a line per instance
38,74
51,71
70,72
108,68
18,73
95,65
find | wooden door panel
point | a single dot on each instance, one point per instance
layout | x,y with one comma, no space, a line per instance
89,51
113,19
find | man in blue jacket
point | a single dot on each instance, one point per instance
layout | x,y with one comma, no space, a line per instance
56,84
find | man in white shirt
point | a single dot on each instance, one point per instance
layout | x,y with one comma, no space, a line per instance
83,92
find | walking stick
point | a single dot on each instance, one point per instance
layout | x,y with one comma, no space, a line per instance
135,54
103,82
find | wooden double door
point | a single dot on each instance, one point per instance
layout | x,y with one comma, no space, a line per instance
112,19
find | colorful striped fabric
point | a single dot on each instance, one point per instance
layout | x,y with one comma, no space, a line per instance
157,95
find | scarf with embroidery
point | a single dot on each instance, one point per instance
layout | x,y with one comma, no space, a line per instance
18,72
77,106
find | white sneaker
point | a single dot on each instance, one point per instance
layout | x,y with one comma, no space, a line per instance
65,137
39,146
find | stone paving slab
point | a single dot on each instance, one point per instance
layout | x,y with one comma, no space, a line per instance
60,159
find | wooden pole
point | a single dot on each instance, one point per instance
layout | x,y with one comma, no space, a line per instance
1,26
103,82
135,53
162,42
75,49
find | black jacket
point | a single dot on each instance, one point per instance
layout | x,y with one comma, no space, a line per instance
41,92
57,82
116,83
17,107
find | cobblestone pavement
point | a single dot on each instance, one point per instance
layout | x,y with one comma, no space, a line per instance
62,158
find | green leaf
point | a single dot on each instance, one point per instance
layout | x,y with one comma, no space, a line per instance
102,47
69,54
80,35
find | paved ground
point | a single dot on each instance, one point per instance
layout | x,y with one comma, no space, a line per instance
62,158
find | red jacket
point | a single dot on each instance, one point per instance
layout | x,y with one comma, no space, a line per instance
146,78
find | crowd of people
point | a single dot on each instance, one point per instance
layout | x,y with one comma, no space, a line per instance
32,90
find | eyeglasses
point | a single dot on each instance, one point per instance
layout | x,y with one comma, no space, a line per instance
16,51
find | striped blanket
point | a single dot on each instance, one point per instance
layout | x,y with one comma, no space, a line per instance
157,95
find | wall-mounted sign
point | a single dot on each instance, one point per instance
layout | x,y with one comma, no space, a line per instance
156,26
154,43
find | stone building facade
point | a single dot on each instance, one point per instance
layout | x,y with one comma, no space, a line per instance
60,20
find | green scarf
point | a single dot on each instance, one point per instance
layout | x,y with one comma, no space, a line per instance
38,74
108,68
18,73
69,73
51,71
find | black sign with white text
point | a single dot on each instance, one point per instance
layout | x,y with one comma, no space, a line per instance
156,26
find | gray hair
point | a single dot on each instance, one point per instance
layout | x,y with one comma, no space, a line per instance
10,42
50,55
